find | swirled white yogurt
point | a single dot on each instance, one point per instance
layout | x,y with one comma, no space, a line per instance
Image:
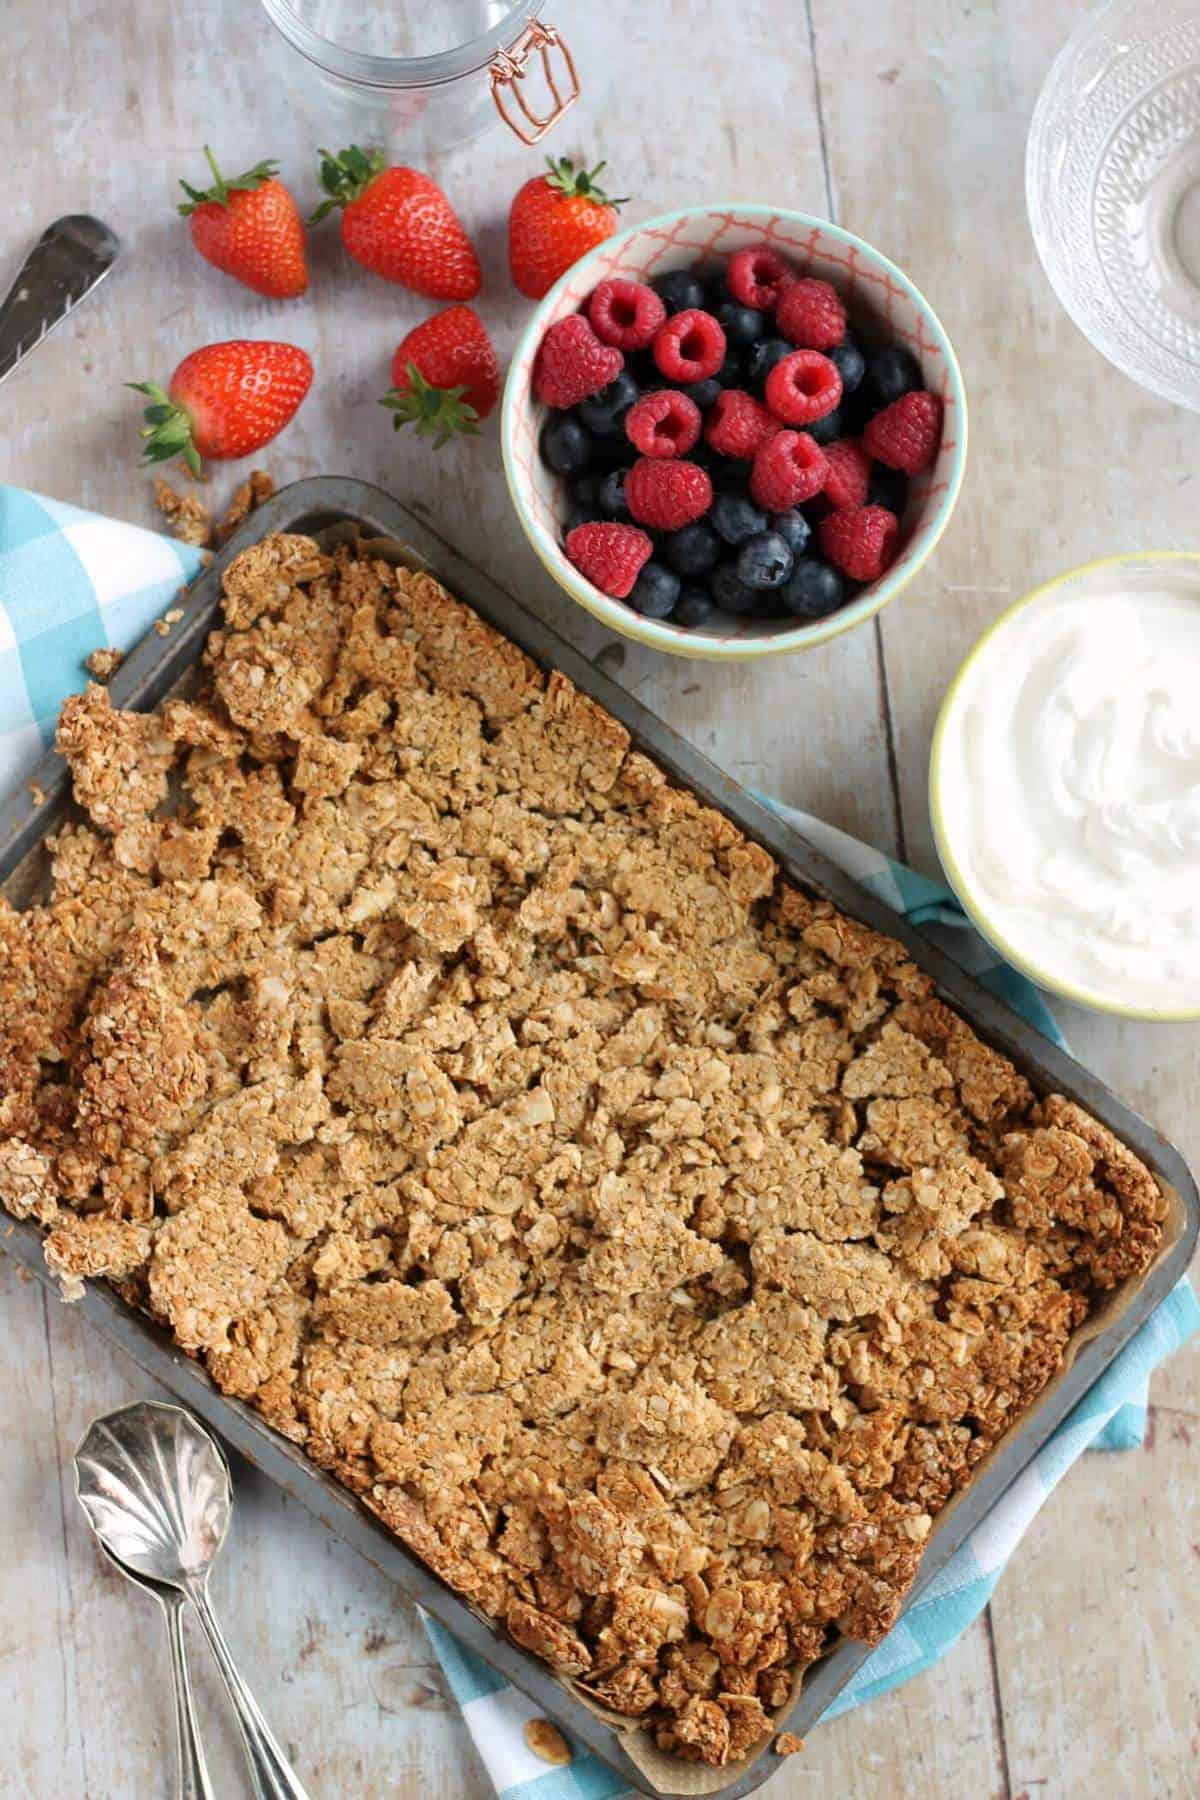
1067,768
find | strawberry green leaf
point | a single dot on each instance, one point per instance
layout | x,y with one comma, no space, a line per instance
222,189
578,184
167,431
346,177
439,413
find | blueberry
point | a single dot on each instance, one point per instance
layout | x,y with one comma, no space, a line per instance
856,409
761,359
605,412
731,475
823,431
564,445
891,372
730,591
764,561
679,290
694,550
655,591
732,372
772,605
849,361
645,371
813,590
694,606
716,289
736,519
611,497
887,487
793,528
583,507
742,325
704,393
613,453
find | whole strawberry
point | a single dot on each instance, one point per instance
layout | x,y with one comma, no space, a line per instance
249,228
445,377
224,401
399,224
554,220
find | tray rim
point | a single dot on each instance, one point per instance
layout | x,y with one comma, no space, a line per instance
313,504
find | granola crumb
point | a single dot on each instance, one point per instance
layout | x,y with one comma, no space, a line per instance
103,664
247,498
173,616
162,627
37,794
186,516
788,1744
637,1236
548,1742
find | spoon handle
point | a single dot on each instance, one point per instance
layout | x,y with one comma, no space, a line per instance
192,1781
271,1774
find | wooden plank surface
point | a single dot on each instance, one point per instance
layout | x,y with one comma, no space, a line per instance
908,124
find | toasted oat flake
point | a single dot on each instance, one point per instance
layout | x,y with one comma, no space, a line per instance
548,1742
640,1239
788,1744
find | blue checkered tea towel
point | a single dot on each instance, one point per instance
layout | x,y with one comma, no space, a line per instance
71,583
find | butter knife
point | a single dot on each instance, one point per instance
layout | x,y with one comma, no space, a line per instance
65,264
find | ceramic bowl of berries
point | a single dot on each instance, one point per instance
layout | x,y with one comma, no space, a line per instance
734,431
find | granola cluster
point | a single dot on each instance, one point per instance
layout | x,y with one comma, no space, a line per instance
640,1239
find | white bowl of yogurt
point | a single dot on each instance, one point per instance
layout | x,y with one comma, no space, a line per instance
1065,785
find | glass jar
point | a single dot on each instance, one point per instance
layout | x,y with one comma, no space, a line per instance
424,75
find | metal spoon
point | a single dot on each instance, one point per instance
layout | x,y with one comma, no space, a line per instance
156,1489
192,1781
67,261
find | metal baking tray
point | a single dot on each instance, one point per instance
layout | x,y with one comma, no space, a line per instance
335,503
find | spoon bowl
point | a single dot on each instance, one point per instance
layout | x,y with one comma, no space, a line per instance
156,1489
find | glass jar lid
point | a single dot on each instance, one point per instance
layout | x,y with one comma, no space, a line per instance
403,43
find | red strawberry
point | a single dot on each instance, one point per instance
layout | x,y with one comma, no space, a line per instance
249,228
906,434
554,220
788,470
810,313
572,364
738,425
399,224
224,401
445,377
860,540
848,473
667,495
609,555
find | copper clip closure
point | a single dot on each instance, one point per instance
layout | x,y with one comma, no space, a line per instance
508,76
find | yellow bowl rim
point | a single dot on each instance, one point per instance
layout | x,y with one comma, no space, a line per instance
623,619
1053,984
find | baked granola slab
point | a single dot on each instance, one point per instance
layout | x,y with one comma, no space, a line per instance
642,1240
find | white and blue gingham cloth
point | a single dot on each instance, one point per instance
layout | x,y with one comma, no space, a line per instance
71,583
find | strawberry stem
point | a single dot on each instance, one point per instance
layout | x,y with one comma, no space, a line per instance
346,177
579,184
439,413
221,190
168,428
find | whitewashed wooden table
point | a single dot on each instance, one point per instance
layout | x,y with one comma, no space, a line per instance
906,123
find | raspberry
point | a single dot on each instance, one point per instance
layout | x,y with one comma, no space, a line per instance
690,346
625,313
906,434
849,473
757,278
860,540
803,387
572,364
611,556
663,424
667,495
811,314
788,469
737,424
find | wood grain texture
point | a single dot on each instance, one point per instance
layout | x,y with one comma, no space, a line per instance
907,123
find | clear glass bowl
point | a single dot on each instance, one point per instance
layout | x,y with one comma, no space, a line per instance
422,75
1112,182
